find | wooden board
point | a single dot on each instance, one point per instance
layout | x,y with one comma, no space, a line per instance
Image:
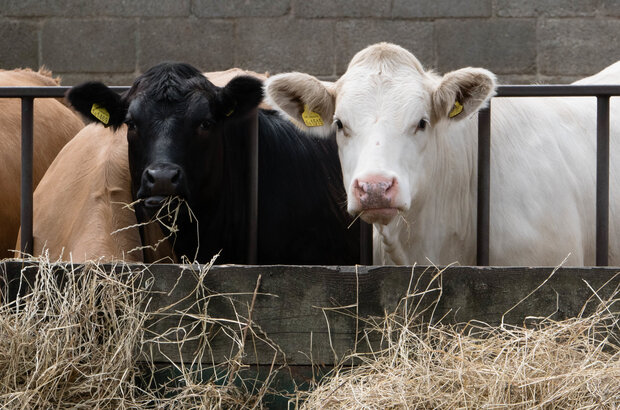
315,314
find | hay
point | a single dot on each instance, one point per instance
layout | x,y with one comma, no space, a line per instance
82,339
70,343
570,364
164,223
87,341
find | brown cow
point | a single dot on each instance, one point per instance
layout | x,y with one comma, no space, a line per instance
54,125
80,205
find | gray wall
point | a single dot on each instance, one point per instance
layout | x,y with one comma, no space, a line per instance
114,40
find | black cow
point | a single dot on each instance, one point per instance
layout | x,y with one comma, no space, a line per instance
189,138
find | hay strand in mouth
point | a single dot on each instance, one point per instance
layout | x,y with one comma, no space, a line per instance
166,218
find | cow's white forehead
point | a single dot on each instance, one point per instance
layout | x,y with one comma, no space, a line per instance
365,94
383,82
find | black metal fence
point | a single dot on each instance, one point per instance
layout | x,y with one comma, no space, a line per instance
601,92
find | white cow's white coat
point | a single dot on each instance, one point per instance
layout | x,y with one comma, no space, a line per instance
543,155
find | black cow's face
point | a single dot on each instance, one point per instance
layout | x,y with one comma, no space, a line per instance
175,120
175,147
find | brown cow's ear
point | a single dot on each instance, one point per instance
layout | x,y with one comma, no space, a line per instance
310,103
97,103
238,97
462,93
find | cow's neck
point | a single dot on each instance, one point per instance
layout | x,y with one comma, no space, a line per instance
226,215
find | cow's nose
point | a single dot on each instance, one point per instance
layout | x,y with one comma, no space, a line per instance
376,191
163,179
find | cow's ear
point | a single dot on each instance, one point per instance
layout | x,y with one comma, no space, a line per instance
462,93
96,102
309,102
238,97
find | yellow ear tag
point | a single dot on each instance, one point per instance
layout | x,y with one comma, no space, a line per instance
456,110
311,118
100,113
229,113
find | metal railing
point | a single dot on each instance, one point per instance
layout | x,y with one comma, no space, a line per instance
601,92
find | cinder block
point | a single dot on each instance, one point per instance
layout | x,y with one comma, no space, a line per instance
504,46
86,45
341,8
556,8
240,8
577,46
107,79
286,44
506,79
563,79
610,8
354,35
441,8
95,8
19,44
207,44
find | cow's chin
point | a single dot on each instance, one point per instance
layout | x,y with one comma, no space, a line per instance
154,202
381,216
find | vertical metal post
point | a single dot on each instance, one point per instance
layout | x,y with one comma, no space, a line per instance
365,243
484,183
602,180
26,180
253,186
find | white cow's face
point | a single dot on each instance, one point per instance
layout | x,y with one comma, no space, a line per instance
383,133
387,113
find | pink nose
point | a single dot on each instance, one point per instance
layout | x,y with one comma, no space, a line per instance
375,192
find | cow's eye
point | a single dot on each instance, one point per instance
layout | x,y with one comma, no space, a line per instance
205,125
131,126
338,123
421,125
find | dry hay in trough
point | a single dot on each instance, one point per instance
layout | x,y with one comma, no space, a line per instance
84,342
568,364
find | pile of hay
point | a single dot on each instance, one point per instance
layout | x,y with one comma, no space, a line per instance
80,342
85,341
568,364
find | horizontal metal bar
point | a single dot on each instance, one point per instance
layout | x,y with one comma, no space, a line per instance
557,90
42,92
502,91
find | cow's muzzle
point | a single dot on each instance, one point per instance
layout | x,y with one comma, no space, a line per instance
160,181
376,196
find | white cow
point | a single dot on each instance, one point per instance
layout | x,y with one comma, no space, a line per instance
408,146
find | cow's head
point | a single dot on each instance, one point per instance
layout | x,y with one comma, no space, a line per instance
175,120
391,119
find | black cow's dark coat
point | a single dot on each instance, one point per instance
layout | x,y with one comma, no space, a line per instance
197,136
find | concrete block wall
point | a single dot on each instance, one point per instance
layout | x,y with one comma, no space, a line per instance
523,41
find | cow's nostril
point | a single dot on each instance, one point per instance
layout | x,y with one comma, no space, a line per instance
163,179
149,176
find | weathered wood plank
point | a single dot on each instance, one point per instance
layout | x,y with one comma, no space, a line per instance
300,308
